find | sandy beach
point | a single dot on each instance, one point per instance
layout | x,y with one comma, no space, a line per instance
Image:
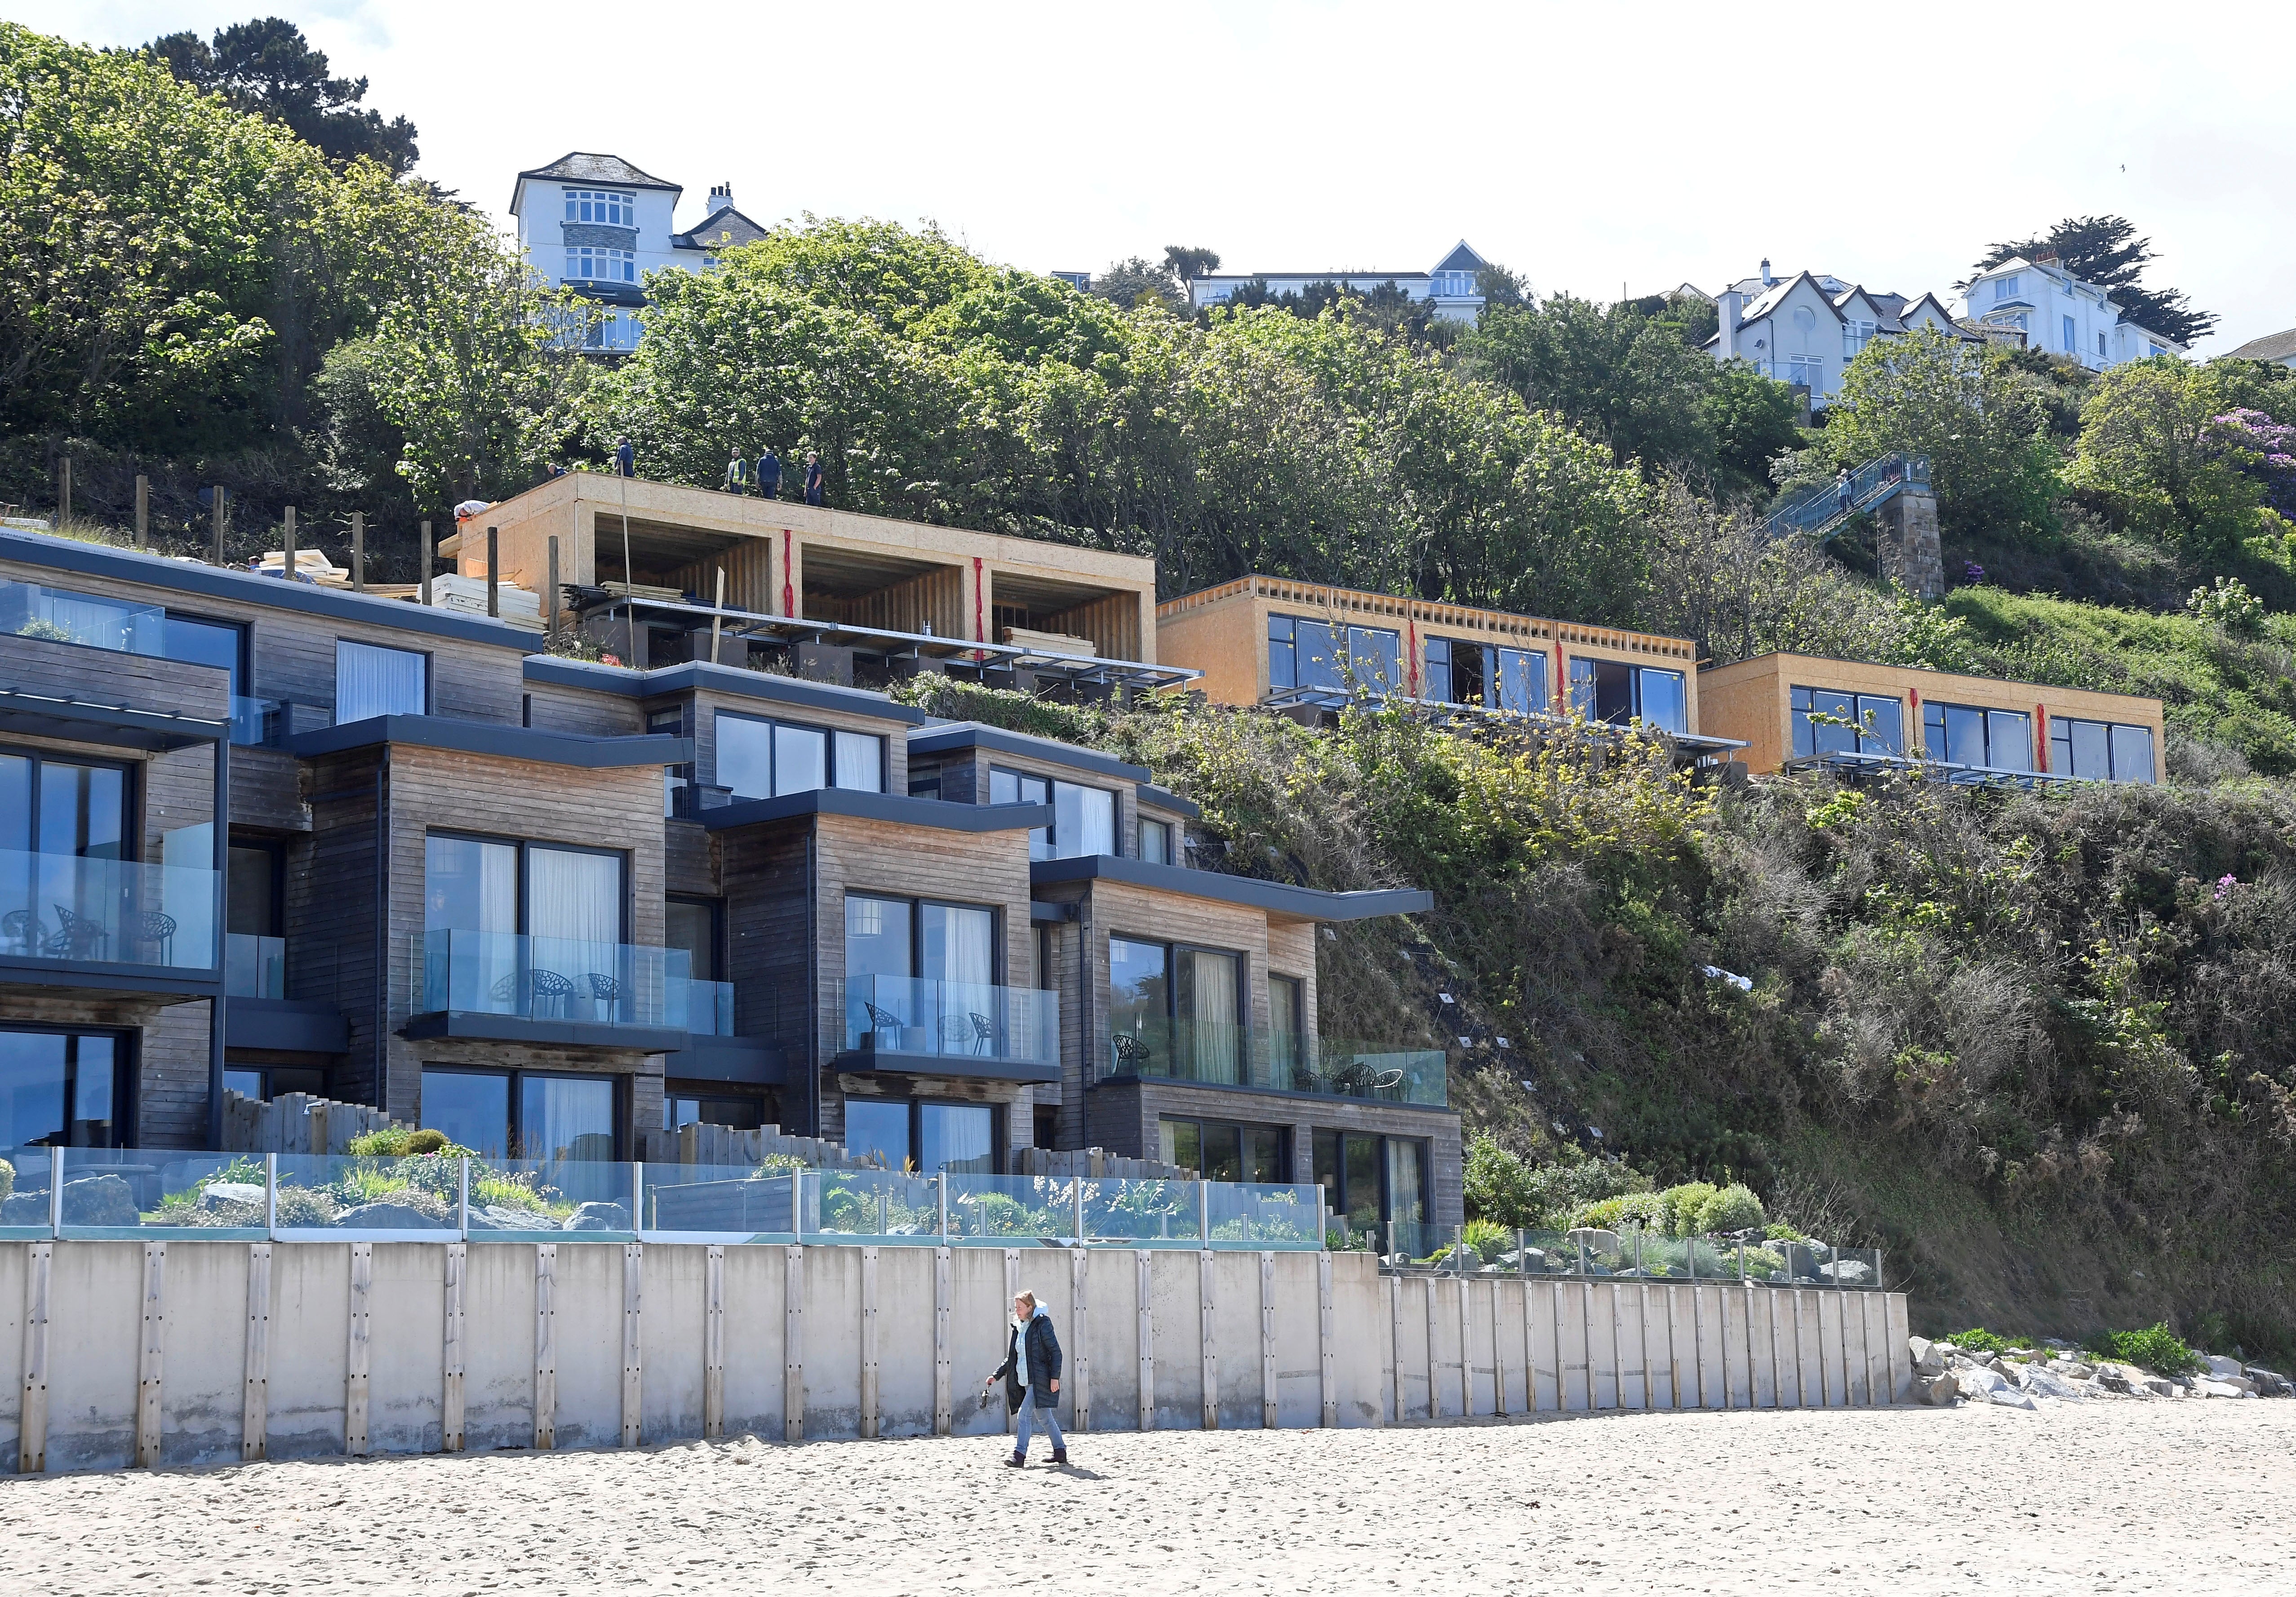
2187,1497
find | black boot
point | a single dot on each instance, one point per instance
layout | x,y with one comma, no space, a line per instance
1017,1462
1059,1455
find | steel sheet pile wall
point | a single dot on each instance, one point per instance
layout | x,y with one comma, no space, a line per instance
128,1353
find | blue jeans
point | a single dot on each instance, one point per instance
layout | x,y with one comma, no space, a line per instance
1051,1420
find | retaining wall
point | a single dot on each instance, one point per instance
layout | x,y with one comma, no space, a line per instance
128,1353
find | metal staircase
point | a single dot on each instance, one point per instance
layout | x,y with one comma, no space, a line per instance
1818,511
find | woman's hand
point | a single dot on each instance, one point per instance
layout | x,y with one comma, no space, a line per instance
1056,1383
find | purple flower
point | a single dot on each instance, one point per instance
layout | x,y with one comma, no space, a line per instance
1970,572
2225,885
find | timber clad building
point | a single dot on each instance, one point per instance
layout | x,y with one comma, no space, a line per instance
263,838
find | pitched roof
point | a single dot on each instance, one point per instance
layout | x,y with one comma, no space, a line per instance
580,166
1461,259
737,229
2272,346
1776,296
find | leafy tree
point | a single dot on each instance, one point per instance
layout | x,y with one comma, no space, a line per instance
1137,281
2152,455
1965,405
268,68
1753,419
2105,251
1499,1185
1620,377
1187,264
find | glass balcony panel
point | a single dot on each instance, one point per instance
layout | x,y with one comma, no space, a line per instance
568,1200
417,1195
254,966
981,1207
874,1205
553,978
724,1202
116,1192
1222,1056
1120,1210
1288,1215
953,1019
107,911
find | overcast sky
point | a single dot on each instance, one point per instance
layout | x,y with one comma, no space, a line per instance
1591,147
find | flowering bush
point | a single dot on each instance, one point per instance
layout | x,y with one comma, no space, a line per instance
1972,573
2265,449
2230,605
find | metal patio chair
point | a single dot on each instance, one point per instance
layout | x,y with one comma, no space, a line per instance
156,926
608,991
77,936
25,932
1131,1054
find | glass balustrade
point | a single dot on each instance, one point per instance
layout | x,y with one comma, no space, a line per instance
254,966
107,911
1226,1055
952,1019
564,978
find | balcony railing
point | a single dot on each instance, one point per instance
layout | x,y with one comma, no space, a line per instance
912,1015
565,979
65,907
1227,1055
1812,509
254,966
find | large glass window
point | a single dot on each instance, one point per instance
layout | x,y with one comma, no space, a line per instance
57,817
1986,739
1332,656
2100,751
1175,1011
924,1135
371,681
1368,1179
1610,690
470,884
31,610
766,759
1156,842
1459,672
609,208
1222,1151
1139,1000
893,947
61,1089
1084,819
470,1106
1523,680
1828,721
565,1116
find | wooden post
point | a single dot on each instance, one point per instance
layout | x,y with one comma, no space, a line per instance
358,551
545,1345
148,1369
143,511
1268,1341
357,1364
1205,1332
429,556
869,1343
632,1343
942,1400
793,1343
64,495
493,574
450,1406
1434,1388
218,511
552,633
1394,1336
1466,1342
718,622
713,1342
1147,1336
32,1412
255,1406
287,561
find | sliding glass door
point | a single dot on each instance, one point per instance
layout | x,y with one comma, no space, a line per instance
534,929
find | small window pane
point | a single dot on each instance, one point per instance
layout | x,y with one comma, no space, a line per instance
1965,735
1280,669
1084,821
876,1126
1361,1174
1805,735
1407,1182
1882,725
1662,703
801,759
1004,788
2009,739
1155,842
860,761
473,1108
371,681
2132,753
1833,726
2092,750
566,1117
1223,1153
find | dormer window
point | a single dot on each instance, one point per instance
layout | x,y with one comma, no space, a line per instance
601,206
2005,288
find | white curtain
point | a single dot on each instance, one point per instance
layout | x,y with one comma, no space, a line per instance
370,681
577,897
861,761
960,944
1212,1006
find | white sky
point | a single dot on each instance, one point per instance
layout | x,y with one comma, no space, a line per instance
1588,147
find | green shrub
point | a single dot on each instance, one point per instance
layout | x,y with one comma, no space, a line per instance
1499,1185
1778,1231
1489,1240
1641,1208
389,1143
1734,1209
2157,1349
1978,1339
1683,1205
300,1205
1600,1217
426,1141
774,1165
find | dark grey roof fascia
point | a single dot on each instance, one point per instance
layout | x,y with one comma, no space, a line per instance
700,675
626,177
286,1026
1307,903
219,582
945,1067
897,808
488,738
118,726
541,1033
1164,798
972,734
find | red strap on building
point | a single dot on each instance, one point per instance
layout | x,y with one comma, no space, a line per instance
789,594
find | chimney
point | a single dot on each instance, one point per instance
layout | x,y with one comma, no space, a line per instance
1726,310
721,198
1767,281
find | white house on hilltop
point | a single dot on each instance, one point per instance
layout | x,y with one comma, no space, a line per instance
2059,312
597,224
1451,284
1808,328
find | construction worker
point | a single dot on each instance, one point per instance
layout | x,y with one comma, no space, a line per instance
737,473
770,473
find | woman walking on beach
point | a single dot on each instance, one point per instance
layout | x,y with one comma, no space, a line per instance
1032,1377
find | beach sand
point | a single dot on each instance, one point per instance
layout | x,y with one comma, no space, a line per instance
2187,1496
